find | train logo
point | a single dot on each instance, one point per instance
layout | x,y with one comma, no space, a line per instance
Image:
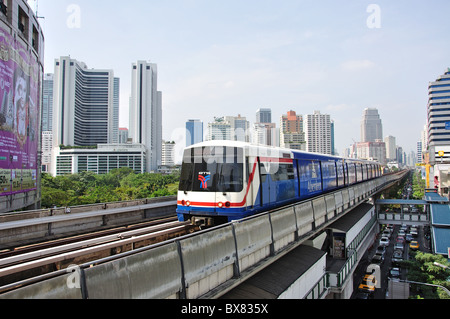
204,180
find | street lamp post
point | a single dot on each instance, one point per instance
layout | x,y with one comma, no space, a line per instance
426,284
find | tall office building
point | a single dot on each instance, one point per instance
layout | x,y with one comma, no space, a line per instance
240,128
291,131
264,132
264,115
194,132
83,104
318,132
146,111
372,151
371,127
419,158
123,135
47,102
391,154
22,70
47,122
115,117
220,129
439,118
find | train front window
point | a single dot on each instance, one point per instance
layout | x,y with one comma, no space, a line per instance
212,169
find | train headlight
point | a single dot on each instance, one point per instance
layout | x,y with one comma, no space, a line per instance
227,204
188,203
220,204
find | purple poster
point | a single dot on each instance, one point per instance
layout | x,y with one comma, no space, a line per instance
19,115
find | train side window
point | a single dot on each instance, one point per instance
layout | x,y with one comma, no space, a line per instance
263,172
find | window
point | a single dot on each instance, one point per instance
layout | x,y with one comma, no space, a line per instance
212,169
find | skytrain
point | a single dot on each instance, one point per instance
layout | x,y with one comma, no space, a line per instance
222,181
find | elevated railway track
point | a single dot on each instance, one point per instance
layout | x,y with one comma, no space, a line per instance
233,251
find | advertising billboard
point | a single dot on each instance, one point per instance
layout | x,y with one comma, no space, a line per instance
19,115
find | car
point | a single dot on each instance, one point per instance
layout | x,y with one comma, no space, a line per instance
409,237
400,240
381,250
377,259
384,241
398,246
413,234
386,233
401,233
394,272
397,257
362,295
368,284
414,245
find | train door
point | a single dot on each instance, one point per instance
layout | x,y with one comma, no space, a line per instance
265,183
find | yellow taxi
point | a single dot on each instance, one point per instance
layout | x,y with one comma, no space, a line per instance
368,283
414,245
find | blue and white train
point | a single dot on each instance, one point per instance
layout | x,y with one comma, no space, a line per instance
225,180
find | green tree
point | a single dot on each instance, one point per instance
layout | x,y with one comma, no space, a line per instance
422,268
118,185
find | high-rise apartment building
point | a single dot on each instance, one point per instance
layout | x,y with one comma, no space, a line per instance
194,132
168,153
291,131
318,132
146,112
84,111
371,127
439,118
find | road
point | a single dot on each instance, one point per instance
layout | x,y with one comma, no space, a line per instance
386,265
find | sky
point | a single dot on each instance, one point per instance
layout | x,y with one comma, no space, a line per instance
224,58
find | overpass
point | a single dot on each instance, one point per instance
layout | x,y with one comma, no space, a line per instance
213,262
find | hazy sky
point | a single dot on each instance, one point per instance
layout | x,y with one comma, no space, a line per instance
218,58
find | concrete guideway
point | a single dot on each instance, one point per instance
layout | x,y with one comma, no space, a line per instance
32,230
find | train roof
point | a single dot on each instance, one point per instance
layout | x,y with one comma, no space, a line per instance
296,153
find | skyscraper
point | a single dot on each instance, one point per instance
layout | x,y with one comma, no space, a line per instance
264,115
220,129
439,118
146,112
264,132
391,154
83,104
371,127
47,102
240,128
318,132
194,132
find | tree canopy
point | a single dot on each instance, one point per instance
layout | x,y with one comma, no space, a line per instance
118,185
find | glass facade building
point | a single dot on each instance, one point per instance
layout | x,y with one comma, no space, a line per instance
439,118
